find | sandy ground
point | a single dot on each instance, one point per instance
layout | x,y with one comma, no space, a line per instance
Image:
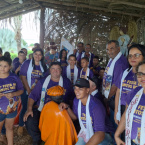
24,140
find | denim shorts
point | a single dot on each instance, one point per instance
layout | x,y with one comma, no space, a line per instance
11,115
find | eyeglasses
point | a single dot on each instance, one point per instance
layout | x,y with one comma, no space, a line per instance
140,74
137,55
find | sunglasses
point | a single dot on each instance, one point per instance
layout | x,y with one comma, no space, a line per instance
137,55
140,74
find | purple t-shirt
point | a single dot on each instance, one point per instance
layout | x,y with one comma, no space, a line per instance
63,63
36,73
136,125
129,83
36,92
120,65
64,73
8,85
84,73
15,60
100,121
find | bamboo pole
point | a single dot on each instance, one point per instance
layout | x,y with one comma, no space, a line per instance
42,27
126,3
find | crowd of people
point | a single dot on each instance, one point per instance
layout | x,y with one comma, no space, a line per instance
72,100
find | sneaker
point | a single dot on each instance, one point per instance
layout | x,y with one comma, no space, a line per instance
20,131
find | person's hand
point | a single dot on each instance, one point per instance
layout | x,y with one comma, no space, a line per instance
28,112
62,106
116,121
119,141
9,95
28,91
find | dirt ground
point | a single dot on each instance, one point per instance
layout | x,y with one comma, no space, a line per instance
24,140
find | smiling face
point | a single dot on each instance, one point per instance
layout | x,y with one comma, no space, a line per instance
64,54
112,50
37,56
135,57
55,71
72,61
81,93
141,79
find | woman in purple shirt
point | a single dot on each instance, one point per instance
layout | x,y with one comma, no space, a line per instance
63,58
10,90
31,71
133,119
128,81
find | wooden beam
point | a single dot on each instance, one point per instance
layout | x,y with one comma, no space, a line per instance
90,7
20,11
126,3
14,6
42,27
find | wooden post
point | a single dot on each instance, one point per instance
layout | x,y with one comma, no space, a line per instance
42,27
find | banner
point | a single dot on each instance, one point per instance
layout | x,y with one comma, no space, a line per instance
67,46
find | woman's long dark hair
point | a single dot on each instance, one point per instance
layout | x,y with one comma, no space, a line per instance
140,48
42,60
60,54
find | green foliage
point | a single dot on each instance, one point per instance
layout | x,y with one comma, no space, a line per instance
13,55
29,52
8,42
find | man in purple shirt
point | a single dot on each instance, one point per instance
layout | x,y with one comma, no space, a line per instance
35,100
78,52
120,65
91,114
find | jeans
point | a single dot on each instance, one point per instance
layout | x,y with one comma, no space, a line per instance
32,125
24,100
107,140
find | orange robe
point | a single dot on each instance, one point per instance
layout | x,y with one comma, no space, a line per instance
56,126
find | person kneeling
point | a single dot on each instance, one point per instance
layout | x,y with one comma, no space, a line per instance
91,114
56,126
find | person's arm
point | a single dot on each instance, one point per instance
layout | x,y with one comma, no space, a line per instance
97,138
17,93
116,105
120,129
25,83
112,91
29,109
63,106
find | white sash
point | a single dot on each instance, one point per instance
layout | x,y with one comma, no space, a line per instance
29,72
68,72
83,55
87,73
110,73
129,119
77,54
94,92
44,88
125,73
88,131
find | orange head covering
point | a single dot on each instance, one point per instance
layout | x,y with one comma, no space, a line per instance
55,91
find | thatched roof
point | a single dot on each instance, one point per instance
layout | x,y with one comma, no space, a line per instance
115,8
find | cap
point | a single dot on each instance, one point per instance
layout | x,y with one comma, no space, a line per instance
94,79
82,83
55,91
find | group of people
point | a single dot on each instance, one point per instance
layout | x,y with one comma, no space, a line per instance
63,96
